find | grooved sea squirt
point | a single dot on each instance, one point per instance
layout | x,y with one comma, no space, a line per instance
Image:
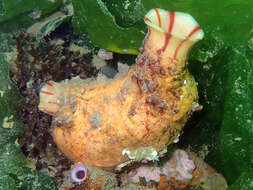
96,120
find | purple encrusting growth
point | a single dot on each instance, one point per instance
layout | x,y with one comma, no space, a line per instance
180,166
79,173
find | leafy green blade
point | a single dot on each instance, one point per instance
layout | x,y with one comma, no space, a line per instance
15,14
244,182
127,13
92,16
236,135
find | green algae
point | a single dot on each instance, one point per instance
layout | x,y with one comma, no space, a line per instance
13,18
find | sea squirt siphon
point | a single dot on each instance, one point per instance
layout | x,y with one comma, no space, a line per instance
94,122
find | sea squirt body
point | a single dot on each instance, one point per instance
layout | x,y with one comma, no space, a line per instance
148,106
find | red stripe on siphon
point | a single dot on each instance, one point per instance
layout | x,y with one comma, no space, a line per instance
46,92
167,35
49,84
197,28
172,18
193,31
52,102
165,45
158,17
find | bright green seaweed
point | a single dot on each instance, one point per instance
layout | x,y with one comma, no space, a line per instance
16,14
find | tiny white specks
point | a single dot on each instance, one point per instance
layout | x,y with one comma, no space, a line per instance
16,142
1,93
35,14
206,67
143,32
154,154
8,123
237,91
176,140
185,81
238,139
104,55
126,5
125,151
163,152
29,83
195,106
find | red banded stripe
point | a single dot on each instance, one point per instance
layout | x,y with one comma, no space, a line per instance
46,92
158,17
197,28
172,18
49,84
168,35
52,102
